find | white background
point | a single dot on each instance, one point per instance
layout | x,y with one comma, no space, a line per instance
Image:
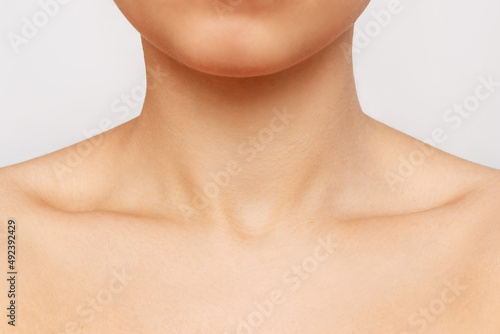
410,70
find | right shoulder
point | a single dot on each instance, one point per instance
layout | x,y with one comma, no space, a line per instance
72,174
18,188
35,182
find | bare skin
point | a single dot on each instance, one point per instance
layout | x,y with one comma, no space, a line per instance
303,234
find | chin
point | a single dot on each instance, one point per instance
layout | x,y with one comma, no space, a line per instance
229,60
239,50
255,38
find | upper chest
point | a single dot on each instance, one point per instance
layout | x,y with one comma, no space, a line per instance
110,276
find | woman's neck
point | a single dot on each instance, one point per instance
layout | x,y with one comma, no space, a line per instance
248,150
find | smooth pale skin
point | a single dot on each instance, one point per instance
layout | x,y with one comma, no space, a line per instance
130,202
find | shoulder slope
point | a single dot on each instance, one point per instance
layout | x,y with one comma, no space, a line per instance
75,178
14,185
485,216
31,181
489,198
480,202
487,190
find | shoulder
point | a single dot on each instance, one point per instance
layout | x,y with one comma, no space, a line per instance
483,199
476,199
480,208
40,184
67,178
20,186
467,230
484,203
15,184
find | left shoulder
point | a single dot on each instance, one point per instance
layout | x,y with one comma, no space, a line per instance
481,208
485,197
